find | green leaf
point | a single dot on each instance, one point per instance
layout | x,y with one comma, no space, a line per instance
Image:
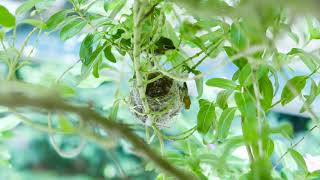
295,84
313,175
284,129
108,54
247,107
106,5
268,146
65,90
72,28
240,62
314,92
288,30
6,18
114,110
94,59
310,60
237,37
86,49
222,83
222,98
26,6
9,122
115,6
298,158
2,34
245,75
96,53
276,79
65,125
206,116
266,88
96,68
169,32
224,122
313,31
56,19
199,83
34,22
44,4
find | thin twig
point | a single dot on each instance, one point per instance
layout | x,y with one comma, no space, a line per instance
293,146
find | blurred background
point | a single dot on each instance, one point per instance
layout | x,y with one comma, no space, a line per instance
27,154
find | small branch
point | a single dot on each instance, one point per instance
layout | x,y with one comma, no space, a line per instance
248,148
293,146
67,70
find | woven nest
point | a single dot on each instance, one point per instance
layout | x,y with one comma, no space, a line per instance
165,99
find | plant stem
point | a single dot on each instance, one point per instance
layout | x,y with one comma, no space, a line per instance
248,148
259,109
293,146
137,9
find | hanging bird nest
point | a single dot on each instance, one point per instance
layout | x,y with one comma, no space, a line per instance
165,99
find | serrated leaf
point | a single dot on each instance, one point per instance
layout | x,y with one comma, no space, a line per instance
222,83
224,122
34,22
72,28
295,84
56,19
6,18
206,116
108,54
298,158
222,98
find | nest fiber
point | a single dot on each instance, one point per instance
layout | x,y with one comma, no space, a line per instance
165,99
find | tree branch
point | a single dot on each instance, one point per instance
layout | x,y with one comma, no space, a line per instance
15,95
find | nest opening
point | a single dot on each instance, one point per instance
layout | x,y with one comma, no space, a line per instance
164,97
